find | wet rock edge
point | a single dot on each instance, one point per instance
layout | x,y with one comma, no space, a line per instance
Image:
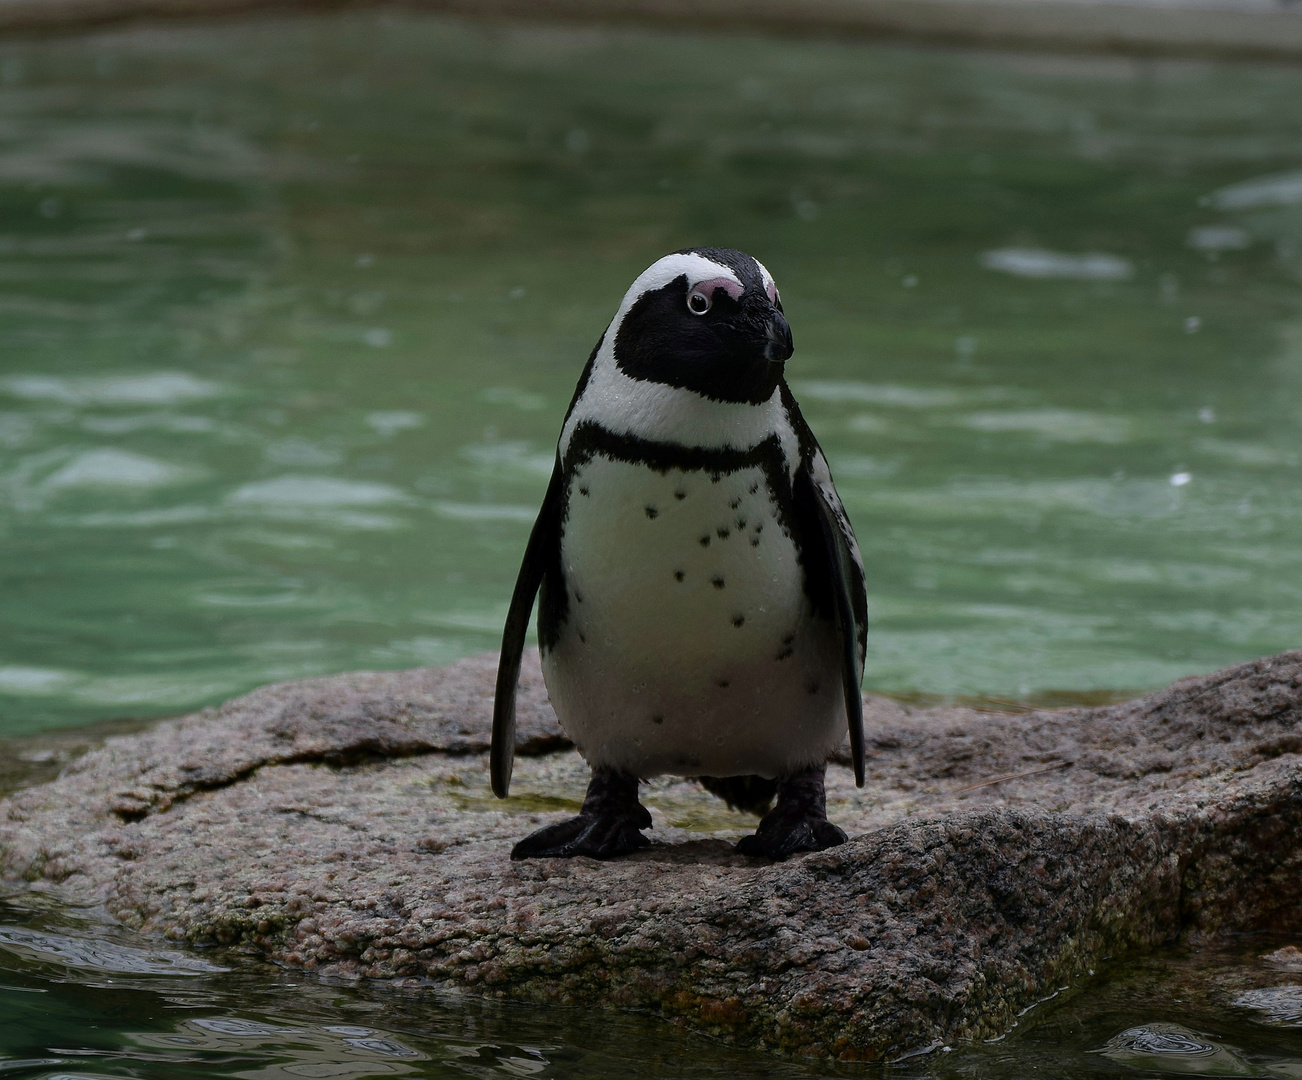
994,857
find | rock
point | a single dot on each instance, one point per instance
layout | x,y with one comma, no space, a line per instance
346,826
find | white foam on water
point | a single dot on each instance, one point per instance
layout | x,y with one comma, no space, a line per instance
1217,238
868,424
167,690
33,681
1037,263
994,496
902,397
315,491
390,423
352,519
153,388
509,395
485,512
15,430
1243,453
866,467
276,599
1280,189
141,519
155,421
488,622
303,453
1057,425
109,467
517,456
419,650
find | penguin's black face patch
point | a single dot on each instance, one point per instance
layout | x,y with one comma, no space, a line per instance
733,351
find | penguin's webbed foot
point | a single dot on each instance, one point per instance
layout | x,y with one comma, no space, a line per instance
798,822
608,825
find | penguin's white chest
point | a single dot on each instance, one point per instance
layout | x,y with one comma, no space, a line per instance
688,645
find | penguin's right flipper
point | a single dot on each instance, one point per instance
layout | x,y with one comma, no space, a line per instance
543,541
843,570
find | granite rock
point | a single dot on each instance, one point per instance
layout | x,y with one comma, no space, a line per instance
345,826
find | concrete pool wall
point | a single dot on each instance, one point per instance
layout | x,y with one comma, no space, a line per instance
1265,29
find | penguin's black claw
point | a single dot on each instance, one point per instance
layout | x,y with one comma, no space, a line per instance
598,838
798,822
778,839
608,825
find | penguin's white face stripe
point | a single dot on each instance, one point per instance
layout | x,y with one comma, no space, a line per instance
696,268
662,413
770,286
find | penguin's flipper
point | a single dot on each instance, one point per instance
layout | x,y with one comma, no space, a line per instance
542,545
842,569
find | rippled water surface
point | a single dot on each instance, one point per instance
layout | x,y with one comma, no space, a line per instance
79,1000
290,312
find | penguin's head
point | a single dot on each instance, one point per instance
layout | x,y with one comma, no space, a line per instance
707,320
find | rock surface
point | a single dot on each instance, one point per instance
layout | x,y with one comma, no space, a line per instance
345,825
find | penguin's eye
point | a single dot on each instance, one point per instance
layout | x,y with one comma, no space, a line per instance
698,303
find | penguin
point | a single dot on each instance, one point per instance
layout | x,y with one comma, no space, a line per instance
702,607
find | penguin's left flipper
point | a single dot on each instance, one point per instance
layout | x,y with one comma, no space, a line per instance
544,541
609,824
834,559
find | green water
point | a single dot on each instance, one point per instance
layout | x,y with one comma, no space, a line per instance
290,312
82,1001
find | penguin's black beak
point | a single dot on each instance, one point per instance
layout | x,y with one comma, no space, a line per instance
778,346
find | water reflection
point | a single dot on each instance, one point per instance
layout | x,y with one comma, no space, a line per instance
1175,1049
79,997
1274,1004
97,954
146,1018
342,1051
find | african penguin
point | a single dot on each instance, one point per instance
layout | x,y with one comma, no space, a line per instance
702,609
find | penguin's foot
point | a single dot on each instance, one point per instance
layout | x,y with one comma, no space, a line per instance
798,822
608,825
